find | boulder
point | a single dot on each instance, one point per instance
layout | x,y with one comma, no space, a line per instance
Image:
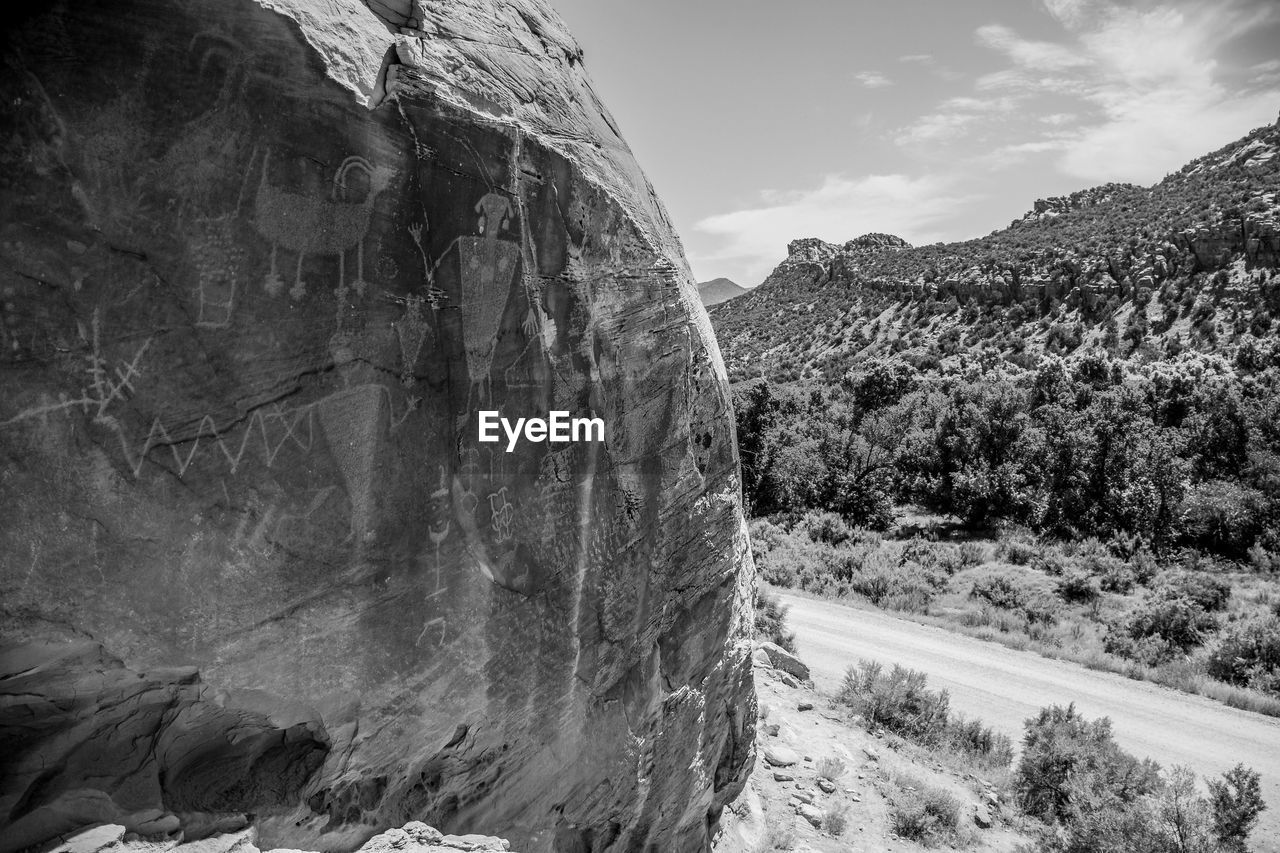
982,817
785,661
811,813
265,263
780,756
760,658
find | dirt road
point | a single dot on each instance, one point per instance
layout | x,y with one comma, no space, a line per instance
1003,687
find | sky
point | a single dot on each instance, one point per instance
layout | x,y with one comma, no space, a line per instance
761,122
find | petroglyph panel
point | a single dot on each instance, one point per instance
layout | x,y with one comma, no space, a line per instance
258,275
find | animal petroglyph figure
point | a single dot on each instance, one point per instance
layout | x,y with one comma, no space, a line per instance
312,226
488,269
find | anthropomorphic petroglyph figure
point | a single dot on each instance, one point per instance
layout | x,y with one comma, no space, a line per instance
316,226
353,422
488,270
413,331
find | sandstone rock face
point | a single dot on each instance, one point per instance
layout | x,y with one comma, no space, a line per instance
263,262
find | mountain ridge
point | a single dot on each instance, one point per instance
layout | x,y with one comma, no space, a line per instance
1185,263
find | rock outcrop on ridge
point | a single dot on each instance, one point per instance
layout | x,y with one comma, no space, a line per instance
262,262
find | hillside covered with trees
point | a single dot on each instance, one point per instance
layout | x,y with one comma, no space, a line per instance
1140,274
1087,403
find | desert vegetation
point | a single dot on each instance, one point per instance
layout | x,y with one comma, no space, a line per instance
1074,786
1127,519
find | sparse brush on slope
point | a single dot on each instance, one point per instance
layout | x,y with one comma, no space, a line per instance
900,702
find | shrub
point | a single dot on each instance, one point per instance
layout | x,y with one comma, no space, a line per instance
972,738
999,590
902,703
830,768
1051,563
926,814
1223,515
835,819
1209,592
1160,629
932,555
972,553
1113,574
1144,566
1078,588
1236,801
1019,591
1061,750
771,621
827,527
1018,553
1248,654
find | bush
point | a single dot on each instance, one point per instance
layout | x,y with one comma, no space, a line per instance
1236,801
1223,515
900,702
926,814
1019,591
827,527
835,819
1061,750
1113,574
1018,553
1209,592
1248,654
1078,588
999,590
972,554
771,621
938,556
1159,629
830,768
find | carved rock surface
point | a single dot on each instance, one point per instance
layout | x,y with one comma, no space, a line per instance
261,264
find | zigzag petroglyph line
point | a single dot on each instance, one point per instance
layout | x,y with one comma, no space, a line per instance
207,431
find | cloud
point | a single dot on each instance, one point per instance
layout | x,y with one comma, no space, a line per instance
1039,55
755,239
1265,73
1147,86
872,79
925,58
954,118
1058,119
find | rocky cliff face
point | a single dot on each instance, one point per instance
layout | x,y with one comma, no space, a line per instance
262,262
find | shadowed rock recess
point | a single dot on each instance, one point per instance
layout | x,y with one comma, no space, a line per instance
262,262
